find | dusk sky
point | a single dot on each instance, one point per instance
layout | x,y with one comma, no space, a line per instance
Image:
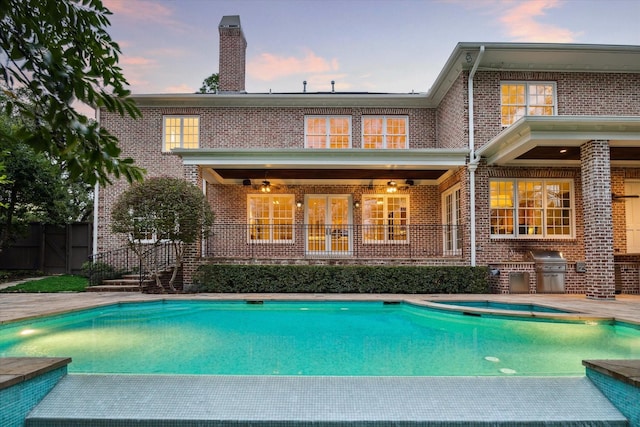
170,46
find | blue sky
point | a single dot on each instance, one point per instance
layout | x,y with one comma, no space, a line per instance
170,46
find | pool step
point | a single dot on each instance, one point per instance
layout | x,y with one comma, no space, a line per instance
165,400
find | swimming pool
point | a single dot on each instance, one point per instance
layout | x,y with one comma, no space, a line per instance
313,338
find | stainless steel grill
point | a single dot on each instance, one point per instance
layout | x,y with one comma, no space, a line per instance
551,268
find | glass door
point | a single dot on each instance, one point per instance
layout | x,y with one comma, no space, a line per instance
329,225
632,209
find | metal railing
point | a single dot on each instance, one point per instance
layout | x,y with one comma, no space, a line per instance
301,241
124,261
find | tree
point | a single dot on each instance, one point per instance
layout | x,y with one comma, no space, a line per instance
35,189
60,54
210,84
158,211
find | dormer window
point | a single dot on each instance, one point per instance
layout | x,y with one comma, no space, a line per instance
519,99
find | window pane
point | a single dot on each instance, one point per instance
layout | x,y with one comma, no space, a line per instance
529,208
372,126
385,218
271,217
373,218
375,142
181,132
501,201
558,208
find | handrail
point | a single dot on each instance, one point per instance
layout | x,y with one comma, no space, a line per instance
118,262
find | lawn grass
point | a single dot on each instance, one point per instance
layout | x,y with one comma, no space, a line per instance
65,283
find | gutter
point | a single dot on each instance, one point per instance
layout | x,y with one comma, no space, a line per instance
473,162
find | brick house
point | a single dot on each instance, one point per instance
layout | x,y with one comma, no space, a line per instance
516,147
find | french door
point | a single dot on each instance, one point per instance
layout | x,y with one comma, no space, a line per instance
329,225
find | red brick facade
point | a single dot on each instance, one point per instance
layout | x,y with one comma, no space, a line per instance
440,122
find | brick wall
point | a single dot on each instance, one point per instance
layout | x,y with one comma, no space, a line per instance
452,116
598,94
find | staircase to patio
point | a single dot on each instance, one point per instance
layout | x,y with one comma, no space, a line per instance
122,270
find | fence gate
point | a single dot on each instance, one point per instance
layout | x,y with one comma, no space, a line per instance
53,250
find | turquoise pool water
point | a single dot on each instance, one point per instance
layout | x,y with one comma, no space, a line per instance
504,306
311,338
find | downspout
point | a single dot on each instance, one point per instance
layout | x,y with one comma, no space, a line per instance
96,192
473,163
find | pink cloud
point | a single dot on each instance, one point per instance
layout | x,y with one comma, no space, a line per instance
182,88
267,66
137,61
140,9
522,22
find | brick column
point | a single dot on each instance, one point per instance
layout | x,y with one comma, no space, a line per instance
598,220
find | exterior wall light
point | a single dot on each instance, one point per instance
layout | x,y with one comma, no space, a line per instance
266,186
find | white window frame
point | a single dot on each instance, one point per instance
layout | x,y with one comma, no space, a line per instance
327,133
180,143
388,229
516,234
270,224
527,105
385,134
452,234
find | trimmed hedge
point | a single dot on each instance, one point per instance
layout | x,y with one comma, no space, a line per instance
228,278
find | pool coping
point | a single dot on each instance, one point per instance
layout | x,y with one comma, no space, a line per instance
16,370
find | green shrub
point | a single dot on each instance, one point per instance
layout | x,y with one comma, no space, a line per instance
225,278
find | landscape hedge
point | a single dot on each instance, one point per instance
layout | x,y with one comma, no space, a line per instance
227,278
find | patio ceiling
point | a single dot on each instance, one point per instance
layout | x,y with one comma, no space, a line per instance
556,140
309,166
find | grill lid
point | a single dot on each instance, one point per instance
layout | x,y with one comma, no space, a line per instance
546,256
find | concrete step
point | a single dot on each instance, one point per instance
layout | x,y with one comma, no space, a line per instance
114,288
200,400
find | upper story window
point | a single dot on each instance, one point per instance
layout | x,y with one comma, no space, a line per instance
385,218
384,132
327,131
519,99
180,132
270,218
526,208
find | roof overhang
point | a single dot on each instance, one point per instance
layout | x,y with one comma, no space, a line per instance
551,57
544,140
309,166
346,100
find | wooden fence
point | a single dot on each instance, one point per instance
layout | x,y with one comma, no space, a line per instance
50,249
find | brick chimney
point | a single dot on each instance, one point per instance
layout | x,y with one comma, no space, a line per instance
233,48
